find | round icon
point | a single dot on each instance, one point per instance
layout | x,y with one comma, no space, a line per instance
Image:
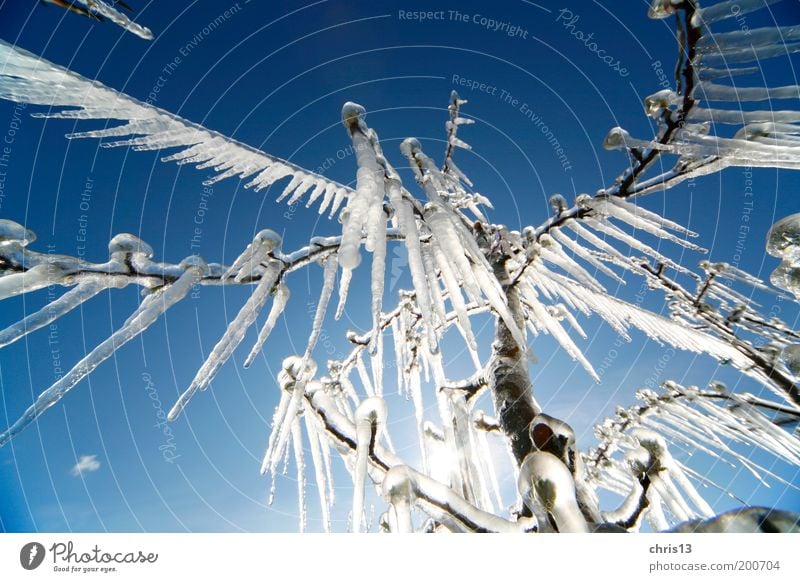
31,555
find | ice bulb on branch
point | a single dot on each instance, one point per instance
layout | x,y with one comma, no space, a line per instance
790,356
783,241
11,232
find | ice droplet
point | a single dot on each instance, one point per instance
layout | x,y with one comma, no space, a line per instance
783,241
11,232
790,356
558,203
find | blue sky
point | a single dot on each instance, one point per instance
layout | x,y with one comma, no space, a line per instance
276,78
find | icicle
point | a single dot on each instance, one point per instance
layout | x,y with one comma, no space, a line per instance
419,415
552,253
58,307
474,462
485,453
98,7
326,459
369,187
433,284
277,422
398,340
299,459
256,253
715,92
408,227
488,283
14,234
673,501
613,231
655,511
364,376
620,314
329,279
232,337
378,278
278,305
725,41
454,294
26,78
344,287
739,118
376,363
728,9
147,313
320,474
584,254
292,379
599,243
446,237
553,327
640,220
370,419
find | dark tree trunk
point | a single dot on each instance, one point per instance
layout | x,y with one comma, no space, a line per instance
509,381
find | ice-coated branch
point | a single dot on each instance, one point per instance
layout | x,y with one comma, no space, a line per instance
138,269
509,381
711,420
130,262
370,420
434,498
103,10
27,78
756,362
548,489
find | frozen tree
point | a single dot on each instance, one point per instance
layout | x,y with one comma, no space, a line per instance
540,281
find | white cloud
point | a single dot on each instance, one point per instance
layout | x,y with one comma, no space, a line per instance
85,464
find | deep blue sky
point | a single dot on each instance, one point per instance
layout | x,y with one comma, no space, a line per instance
276,77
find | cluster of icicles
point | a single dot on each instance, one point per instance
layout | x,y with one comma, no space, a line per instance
714,421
